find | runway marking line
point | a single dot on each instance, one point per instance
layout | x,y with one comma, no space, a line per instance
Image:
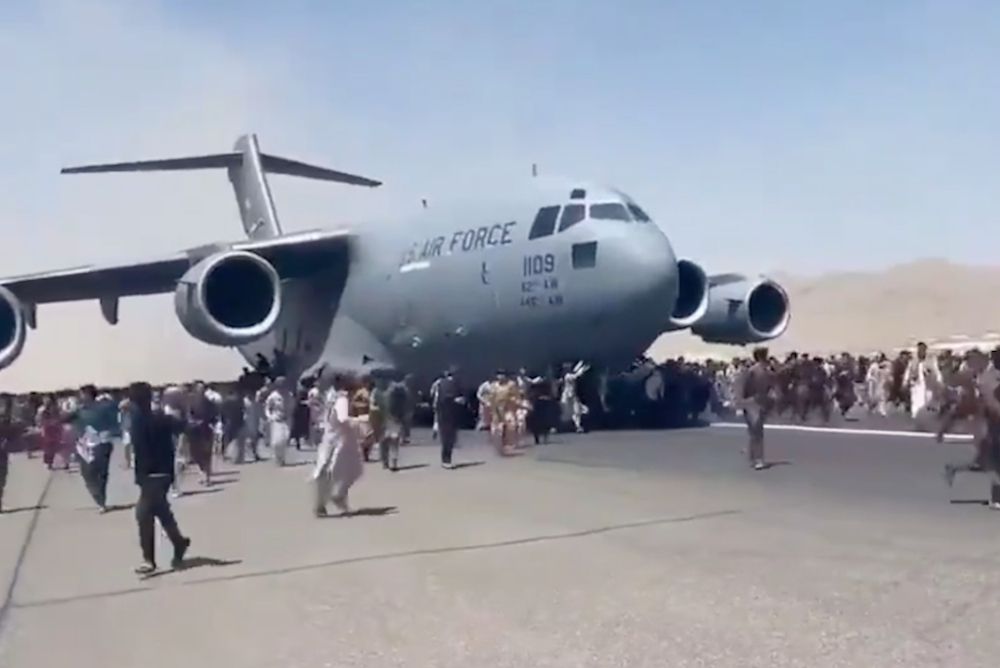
847,430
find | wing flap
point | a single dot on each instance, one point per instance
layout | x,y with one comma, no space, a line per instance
294,256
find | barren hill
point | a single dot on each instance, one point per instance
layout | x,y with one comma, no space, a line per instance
862,312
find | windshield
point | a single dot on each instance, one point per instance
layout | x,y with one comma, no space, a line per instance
638,213
610,211
571,215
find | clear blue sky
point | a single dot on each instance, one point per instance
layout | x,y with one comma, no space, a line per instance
814,124
763,134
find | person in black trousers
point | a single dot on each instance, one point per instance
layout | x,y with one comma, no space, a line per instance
447,407
153,436
8,432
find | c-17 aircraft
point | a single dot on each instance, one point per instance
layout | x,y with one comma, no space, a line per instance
541,273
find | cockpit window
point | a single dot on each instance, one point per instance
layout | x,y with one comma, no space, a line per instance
571,215
638,213
578,193
545,222
609,211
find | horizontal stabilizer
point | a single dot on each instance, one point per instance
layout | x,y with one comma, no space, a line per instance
217,161
247,168
277,165
270,163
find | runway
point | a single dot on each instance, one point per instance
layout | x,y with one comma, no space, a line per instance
898,472
632,549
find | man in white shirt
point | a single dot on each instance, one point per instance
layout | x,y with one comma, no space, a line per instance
277,413
252,411
923,378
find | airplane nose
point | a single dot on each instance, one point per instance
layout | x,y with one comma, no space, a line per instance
650,273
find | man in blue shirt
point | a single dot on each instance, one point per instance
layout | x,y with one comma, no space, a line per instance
96,421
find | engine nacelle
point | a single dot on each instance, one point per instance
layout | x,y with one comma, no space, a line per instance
742,310
13,328
692,295
229,299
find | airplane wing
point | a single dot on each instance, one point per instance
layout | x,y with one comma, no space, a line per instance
292,255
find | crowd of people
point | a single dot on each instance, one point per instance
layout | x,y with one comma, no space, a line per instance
348,420
166,432
936,391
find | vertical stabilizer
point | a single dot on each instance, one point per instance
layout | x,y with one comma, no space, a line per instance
247,168
253,195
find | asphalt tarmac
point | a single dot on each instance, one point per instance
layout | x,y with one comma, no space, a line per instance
610,549
898,472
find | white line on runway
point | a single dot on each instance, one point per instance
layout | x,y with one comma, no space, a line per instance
846,430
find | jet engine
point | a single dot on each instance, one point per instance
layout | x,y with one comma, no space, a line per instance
13,328
742,310
229,299
692,295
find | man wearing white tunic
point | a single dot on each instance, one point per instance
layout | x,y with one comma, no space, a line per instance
125,420
923,377
483,397
877,382
435,387
314,400
277,413
339,463
572,408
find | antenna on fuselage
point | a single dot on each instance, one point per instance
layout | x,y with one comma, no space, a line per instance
534,169
424,203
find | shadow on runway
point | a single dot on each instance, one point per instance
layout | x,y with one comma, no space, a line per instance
373,511
195,562
118,507
22,509
465,465
412,467
203,490
386,556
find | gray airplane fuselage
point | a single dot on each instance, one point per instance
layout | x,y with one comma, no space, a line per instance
465,286
538,273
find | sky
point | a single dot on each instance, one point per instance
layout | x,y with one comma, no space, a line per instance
774,135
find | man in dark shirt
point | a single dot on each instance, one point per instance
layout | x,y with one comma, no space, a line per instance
756,399
397,400
7,434
153,435
447,407
233,425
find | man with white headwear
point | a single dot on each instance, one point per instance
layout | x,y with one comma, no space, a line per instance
483,398
923,378
339,462
877,381
125,420
277,414
435,425
572,408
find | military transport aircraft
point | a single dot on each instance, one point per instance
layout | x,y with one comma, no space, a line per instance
542,273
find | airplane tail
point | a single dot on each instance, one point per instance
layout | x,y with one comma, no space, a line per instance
247,168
